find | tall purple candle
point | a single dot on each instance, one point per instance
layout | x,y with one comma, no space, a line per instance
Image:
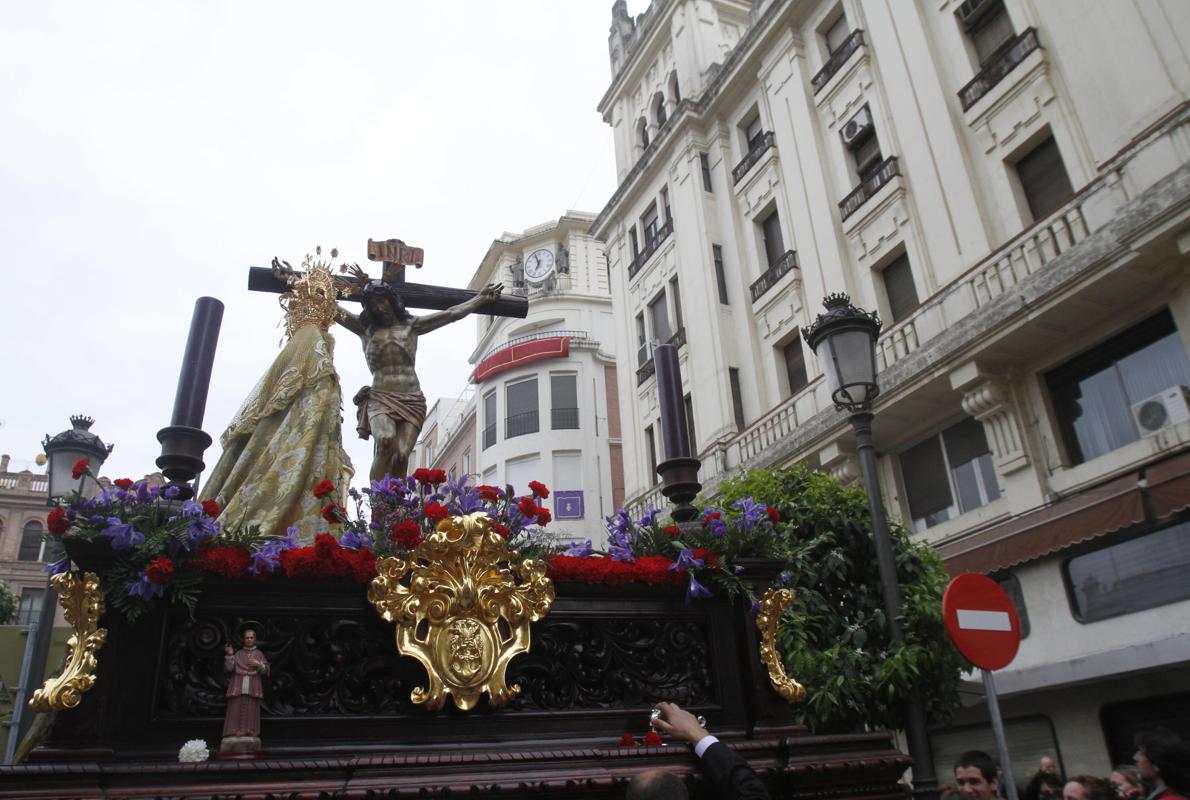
675,433
190,402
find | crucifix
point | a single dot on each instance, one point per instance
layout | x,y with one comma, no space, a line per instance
391,411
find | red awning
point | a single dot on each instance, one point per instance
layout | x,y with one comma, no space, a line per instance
1169,485
521,353
1096,512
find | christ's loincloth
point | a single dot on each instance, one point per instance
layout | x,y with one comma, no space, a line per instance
400,406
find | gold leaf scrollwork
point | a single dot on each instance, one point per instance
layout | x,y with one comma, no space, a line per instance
82,601
772,606
462,604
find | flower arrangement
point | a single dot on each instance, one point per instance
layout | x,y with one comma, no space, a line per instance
194,751
163,546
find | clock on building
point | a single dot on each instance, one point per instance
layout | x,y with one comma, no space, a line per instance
539,264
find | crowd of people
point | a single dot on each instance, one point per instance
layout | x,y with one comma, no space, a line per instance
1161,772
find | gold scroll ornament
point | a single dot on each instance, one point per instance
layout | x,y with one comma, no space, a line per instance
449,600
772,606
82,601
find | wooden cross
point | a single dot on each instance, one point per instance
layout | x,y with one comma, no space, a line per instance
396,256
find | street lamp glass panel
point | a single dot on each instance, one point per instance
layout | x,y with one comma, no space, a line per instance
62,483
851,364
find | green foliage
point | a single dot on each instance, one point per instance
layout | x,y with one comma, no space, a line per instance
835,636
8,604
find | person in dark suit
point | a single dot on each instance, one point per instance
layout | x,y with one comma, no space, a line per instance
1164,759
730,774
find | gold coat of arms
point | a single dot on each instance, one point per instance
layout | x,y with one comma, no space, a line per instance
462,603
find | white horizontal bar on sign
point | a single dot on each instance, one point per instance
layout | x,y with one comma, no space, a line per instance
972,620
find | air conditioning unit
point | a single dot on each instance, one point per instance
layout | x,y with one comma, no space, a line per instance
972,11
1158,412
857,127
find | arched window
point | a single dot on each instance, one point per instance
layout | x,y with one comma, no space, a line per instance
675,96
30,541
642,132
659,109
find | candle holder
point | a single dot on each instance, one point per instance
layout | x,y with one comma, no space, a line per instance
680,485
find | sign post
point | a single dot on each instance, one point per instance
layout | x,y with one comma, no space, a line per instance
983,624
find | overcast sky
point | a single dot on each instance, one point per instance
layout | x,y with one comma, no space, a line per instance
151,152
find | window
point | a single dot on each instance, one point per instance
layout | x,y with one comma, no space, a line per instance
705,162
949,474
30,542
642,132
651,452
774,245
1093,394
659,110
860,139
642,341
737,397
987,26
466,462
1043,179
648,223
720,275
665,204
1121,721
836,34
1140,573
521,404
795,366
689,404
1012,587
674,92
429,454
899,289
677,301
30,605
753,131
632,240
489,419
563,402
659,319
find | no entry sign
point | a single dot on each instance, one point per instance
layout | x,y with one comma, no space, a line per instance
981,621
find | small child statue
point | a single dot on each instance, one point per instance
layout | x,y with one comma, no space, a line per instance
245,690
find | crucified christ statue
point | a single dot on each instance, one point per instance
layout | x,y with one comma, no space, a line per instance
391,411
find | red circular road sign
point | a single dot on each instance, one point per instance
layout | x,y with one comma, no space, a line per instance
981,621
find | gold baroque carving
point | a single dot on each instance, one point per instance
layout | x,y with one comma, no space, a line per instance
462,604
82,600
772,606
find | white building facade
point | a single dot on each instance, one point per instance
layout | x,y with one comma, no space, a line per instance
1006,182
543,403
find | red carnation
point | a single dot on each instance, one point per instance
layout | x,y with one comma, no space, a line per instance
538,489
56,521
673,530
706,555
488,493
323,488
123,483
774,515
627,740
437,476
653,739
544,517
160,570
527,506
407,533
423,476
228,560
436,511
712,515
501,529
210,507
80,466
333,513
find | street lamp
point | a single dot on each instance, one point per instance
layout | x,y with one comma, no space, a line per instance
64,450
844,339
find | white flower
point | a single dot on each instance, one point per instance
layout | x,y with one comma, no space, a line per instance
193,751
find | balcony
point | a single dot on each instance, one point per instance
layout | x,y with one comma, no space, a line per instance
1004,62
678,339
645,371
773,274
877,178
650,247
761,144
562,419
837,60
520,424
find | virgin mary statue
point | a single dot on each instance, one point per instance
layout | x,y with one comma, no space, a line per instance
287,436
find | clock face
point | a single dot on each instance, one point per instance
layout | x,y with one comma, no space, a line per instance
539,264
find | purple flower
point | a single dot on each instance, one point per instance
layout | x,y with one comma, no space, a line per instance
686,559
146,589
649,517
122,534
579,549
171,492
755,606
696,590
59,566
192,508
354,541
267,554
753,514
201,528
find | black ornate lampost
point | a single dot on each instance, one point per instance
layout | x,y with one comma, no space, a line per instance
844,339
64,450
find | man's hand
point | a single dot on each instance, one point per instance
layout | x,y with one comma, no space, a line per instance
227,649
491,292
282,271
356,272
678,723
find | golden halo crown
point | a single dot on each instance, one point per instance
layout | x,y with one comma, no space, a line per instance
313,295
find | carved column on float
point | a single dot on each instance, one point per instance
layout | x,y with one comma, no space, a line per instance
989,399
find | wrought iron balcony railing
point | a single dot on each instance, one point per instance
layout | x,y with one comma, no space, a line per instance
645,371
762,143
520,424
489,436
882,174
650,247
998,66
773,274
563,419
837,60
678,339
